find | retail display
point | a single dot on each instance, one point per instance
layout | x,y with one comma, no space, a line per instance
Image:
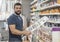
51,9
36,25
55,10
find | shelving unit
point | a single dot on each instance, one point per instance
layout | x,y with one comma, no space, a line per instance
50,14
54,21
51,9
44,2
34,1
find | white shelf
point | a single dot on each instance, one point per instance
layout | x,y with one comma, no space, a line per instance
33,7
32,14
33,18
33,2
44,2
52,6
33,11
2,20
51,14
46,27
54,21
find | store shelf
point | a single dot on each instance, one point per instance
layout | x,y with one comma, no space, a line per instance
34,10
33,2
49,7
32,14
54,21
33,18
46,27
2,20
44,2
51,14
33,7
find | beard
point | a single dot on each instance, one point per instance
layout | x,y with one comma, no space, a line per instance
18,13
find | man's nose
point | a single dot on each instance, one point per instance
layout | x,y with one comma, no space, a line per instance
18,9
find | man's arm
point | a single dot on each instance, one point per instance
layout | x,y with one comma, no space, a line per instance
18,32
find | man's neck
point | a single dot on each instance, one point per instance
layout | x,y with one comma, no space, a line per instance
17,14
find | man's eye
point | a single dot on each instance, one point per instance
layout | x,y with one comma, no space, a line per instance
19,8
16,8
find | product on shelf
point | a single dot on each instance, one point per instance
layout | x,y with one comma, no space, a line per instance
51,3
56,10
44,32
52,11
47,11
58,1
59,10
55,1
33,9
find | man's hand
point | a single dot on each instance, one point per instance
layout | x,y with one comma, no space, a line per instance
26,41
26,33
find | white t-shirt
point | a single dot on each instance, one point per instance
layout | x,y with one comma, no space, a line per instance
24,21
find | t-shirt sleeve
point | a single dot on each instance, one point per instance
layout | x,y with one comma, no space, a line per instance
11,21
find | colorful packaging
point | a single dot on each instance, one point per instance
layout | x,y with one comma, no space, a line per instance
59,10
52,11
58,1
47,11
56,10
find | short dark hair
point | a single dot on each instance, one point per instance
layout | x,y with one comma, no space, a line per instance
17,4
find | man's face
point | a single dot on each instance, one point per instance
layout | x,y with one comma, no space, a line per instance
17,9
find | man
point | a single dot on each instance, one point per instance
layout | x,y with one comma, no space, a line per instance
15,24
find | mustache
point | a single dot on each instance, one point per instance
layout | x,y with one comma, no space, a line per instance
18,11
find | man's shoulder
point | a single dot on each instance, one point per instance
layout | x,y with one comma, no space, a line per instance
11,16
